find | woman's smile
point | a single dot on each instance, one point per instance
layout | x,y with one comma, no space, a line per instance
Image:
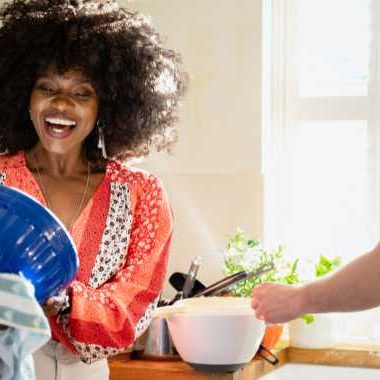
59,126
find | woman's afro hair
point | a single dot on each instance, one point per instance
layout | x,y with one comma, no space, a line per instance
139,82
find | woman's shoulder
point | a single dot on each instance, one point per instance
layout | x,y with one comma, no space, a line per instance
11,161
132,176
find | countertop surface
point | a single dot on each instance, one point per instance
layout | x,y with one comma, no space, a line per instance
125,367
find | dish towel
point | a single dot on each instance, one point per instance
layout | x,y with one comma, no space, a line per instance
27,328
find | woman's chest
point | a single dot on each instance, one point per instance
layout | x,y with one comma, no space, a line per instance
68,198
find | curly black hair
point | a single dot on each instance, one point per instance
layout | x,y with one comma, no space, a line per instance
139,82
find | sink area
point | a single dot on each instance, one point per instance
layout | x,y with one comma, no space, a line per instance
317,372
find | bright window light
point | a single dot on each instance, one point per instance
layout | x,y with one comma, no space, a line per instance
329,189
333,60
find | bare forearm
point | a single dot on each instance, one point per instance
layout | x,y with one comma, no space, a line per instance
356,286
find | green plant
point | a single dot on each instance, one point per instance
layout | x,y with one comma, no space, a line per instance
247,254
243,253
325,265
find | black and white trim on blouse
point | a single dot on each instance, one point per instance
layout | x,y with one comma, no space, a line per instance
2,178
115,240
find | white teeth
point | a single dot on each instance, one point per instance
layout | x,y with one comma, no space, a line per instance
52,120
57,130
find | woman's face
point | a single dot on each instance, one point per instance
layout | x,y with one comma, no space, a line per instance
63,109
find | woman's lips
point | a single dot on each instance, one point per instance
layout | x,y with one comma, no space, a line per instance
58,131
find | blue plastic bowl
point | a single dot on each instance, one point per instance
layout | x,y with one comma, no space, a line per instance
34,243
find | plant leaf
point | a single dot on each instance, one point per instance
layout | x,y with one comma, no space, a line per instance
308,318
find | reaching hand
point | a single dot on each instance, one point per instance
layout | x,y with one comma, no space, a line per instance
277,303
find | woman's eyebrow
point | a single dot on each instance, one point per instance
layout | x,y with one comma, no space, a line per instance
75,80
82,81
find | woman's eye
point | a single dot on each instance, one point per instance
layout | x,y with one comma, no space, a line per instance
82,94
46,89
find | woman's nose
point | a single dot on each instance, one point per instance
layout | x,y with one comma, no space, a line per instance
62,101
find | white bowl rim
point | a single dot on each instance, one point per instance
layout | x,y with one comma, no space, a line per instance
221,306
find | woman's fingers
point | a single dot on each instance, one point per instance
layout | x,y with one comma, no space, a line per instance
52,306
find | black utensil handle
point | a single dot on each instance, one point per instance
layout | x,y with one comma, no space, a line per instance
222,284
177,297
233,279
177,280
273,359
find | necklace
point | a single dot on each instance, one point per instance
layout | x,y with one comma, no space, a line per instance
46,195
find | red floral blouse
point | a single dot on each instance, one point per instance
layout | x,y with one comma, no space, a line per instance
122,237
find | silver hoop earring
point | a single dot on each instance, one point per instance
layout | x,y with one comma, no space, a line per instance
101,142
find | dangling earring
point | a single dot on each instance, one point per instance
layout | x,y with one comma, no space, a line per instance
101,143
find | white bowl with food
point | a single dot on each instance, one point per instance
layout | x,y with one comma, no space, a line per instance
214,334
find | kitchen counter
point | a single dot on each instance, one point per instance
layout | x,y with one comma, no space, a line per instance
124,367
365,357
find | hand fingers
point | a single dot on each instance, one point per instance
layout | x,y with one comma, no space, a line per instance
52,306
50,301
55,301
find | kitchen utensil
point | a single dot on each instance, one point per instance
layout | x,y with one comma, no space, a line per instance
158,342
189,281
190,278
215,334
177,280
226,282
267,355
35,244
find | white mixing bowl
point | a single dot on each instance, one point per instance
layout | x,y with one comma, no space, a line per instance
215,334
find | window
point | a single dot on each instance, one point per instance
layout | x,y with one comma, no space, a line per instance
321,135
317,163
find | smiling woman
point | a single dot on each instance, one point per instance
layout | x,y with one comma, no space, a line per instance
97,88
63,111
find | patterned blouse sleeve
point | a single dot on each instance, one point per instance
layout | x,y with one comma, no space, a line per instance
106,320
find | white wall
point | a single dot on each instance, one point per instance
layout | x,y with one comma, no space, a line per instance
214,177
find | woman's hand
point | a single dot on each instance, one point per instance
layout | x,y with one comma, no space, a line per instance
277,303
54,305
